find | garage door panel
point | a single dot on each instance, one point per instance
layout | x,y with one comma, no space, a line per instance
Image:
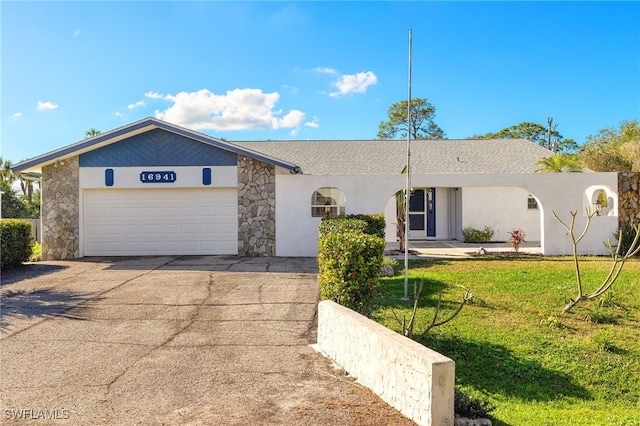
228,246
189,228
189,211
170,228
151,229
131,228
159,221
169,211
149,211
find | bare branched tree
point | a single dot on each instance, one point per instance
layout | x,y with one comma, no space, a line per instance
407,329
618,258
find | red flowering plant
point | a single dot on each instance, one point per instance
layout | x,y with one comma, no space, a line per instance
516,237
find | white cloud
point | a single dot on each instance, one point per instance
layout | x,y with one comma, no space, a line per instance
294,89
325,70
46,105
293,119
313,123
76,33
136,105
17,114
154,95
238,109
119,114
354,83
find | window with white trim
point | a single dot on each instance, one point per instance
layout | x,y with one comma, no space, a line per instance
532,203
328,201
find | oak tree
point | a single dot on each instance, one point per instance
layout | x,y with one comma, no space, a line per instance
421,125
614,149
533,132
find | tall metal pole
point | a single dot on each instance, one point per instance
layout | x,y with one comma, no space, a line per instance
407,193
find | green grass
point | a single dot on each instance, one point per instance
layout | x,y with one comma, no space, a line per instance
515,349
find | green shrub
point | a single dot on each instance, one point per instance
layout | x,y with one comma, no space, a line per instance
628,234
389,261
12,206
15,242
340,224
371,224
375,223
349,268
473,408
472,235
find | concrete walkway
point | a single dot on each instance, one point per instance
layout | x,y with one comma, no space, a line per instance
171,341
456,249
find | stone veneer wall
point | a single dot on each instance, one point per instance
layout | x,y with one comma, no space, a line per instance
256,208
628,197
61,210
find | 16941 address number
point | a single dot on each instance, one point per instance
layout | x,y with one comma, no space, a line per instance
157,177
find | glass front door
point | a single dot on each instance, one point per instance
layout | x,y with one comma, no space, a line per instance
422,213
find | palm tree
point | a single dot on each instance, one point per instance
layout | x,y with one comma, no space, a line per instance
91,133
5,172
559,163
26,184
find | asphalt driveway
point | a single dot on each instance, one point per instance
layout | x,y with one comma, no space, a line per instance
171,340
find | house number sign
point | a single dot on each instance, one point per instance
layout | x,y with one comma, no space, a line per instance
157,177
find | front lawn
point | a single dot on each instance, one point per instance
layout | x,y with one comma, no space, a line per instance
513,347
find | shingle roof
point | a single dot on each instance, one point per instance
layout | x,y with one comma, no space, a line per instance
341,157
389,157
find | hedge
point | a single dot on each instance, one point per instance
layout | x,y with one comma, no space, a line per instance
340,225
375,223
15,242
372,224
349,261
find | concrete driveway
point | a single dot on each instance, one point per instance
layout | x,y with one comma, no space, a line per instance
171,340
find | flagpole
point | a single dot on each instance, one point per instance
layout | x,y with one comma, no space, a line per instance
408,183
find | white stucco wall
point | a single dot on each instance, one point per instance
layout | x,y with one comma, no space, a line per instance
296,230
502,209
410,377
389,215
442,214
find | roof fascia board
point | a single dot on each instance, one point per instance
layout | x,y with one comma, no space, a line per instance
35,164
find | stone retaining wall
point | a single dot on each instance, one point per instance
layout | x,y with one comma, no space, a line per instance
410,377
61,210
628,198
256,208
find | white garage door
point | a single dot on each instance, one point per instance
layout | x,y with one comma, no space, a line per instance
124,222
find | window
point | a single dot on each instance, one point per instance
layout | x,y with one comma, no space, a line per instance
532,204
328,201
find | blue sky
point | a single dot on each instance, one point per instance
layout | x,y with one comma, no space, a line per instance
312,70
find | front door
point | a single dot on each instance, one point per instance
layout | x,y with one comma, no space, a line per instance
422,213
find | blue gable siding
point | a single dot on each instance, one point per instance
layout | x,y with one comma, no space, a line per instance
157,147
